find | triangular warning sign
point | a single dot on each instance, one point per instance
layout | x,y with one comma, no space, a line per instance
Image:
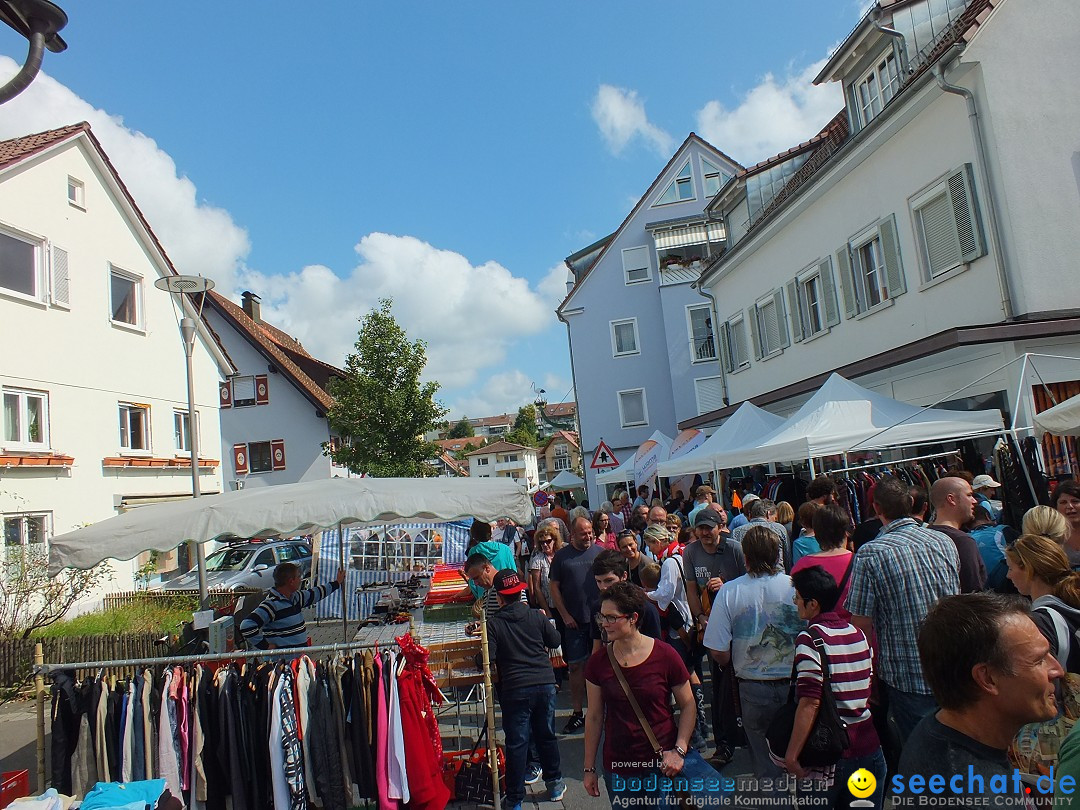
603,458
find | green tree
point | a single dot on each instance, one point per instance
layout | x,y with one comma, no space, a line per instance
524,429
461,430
381,405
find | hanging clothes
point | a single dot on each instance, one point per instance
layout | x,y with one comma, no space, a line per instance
423,744
67,714
169,762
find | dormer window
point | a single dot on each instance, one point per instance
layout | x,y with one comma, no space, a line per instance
714,178
876,89
681,188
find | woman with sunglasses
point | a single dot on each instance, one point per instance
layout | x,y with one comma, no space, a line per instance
547,539
654,673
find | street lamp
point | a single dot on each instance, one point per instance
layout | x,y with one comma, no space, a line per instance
38,21
181,286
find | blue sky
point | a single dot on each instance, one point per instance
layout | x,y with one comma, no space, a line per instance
447,154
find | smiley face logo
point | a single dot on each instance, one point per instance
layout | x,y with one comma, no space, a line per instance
861,783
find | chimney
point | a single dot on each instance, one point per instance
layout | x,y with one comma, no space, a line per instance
251,306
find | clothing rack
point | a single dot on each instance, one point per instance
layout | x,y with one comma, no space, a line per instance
896,463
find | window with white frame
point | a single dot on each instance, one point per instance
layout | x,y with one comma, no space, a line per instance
509,458
482,461
768,325
636,265
947,227
812,301
134,427
76,192
733,346
877,88
871,272
26,531
125,298
26,419
182,430
679,189
714,177
243,391
633,410
702,340
260,457
624,337
21,265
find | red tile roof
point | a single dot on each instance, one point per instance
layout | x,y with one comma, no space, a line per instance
455,445
561,409
499,447
567,436
459,467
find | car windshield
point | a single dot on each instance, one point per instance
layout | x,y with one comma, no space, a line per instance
228,559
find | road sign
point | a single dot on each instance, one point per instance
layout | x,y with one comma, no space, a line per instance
603,458
540,498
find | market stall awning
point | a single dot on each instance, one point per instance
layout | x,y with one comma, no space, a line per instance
842,416
566,480
743,427
289,510
620,475
1061,420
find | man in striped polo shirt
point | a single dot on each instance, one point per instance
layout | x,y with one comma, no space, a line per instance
278,621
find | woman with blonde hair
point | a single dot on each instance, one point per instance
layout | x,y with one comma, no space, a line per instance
547,539
1049,522
1039,568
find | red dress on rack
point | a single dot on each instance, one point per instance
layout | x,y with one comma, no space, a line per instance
423,745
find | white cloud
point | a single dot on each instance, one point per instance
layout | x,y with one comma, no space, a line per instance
775,115
506,391
553,284
469,315
199,238
620,114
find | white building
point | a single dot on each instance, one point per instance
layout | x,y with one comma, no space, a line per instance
92,369
928,235
504,460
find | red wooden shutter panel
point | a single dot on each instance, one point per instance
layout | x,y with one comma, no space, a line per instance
240,458
262,389
277,454
225,390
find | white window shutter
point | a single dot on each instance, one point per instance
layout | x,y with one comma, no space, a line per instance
781,320
890,248
710,394
939,235
60,282
847,282
828,294
725,346
755,332
969,234
798,323
738,340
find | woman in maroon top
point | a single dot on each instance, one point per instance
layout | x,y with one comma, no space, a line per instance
654,672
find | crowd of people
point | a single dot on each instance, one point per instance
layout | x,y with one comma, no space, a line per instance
939,640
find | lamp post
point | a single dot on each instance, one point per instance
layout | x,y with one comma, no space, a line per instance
181,286
38,21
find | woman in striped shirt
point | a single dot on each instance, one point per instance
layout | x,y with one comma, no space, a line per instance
816,595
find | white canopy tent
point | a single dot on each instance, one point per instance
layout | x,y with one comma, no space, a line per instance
289,510
619,475
565,480
842,416
742,428
1061,420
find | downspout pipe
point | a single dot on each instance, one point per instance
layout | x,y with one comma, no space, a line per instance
21,80
716,340
900,40
573,379
990,196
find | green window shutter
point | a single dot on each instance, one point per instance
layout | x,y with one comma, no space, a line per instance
890,249
828,294
797,320
847,282
781,320
755,334
725,347
961,192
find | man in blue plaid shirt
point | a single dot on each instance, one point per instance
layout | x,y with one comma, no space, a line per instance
895,579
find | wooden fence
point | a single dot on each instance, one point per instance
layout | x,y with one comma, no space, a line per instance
218,599
17,655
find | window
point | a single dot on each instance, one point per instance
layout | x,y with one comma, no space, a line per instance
812,301
733,350
636,265
260,458
292,553
20,265
266,558
26,418
685,245
877,88
134,427
947,227
482,461
714,178
681,188
702,343
624,339
510,457
632,408
871,273
562,463
124,296
182,430
25,530
709,392
768,326
76,191
243,391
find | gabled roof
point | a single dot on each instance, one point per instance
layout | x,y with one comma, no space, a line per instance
260,339
692,138
458,467
499,447
456,445
17,150
560,408
567,436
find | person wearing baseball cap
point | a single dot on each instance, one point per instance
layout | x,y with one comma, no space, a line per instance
984,487
703,496
520,639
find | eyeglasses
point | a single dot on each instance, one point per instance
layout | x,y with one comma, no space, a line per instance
547,542
604,619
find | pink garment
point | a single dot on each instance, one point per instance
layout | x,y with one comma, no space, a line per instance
178,691
835,564
382,772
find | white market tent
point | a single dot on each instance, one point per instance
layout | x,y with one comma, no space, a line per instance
1061,420
565,480
748,424
620,475
842,416
288,510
